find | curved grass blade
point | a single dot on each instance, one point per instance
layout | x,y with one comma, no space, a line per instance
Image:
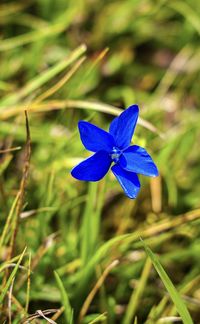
178,302
65,300
9,281
8,221
44,77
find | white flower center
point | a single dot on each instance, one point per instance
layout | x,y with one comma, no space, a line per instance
115,154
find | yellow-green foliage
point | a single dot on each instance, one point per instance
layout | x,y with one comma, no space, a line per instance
71,251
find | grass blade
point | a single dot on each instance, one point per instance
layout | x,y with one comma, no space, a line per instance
65,300
28,284
44,77
180,306
8,221
93,292
9,281
137,293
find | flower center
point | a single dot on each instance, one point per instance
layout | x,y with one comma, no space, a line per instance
115,154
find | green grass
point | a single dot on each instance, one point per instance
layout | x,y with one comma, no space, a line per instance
72,249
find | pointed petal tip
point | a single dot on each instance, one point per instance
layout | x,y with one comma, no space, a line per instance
128,180
80,122
73,173
133,107
152,172
81,125
131,196
156,173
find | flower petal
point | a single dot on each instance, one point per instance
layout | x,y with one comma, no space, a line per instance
94,138
123,126
136,159
94,168
128,180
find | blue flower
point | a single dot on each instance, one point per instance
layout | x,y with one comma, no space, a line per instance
114,147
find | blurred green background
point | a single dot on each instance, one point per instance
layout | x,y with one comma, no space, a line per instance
63,61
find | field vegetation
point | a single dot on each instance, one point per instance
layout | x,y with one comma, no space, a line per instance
78,252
